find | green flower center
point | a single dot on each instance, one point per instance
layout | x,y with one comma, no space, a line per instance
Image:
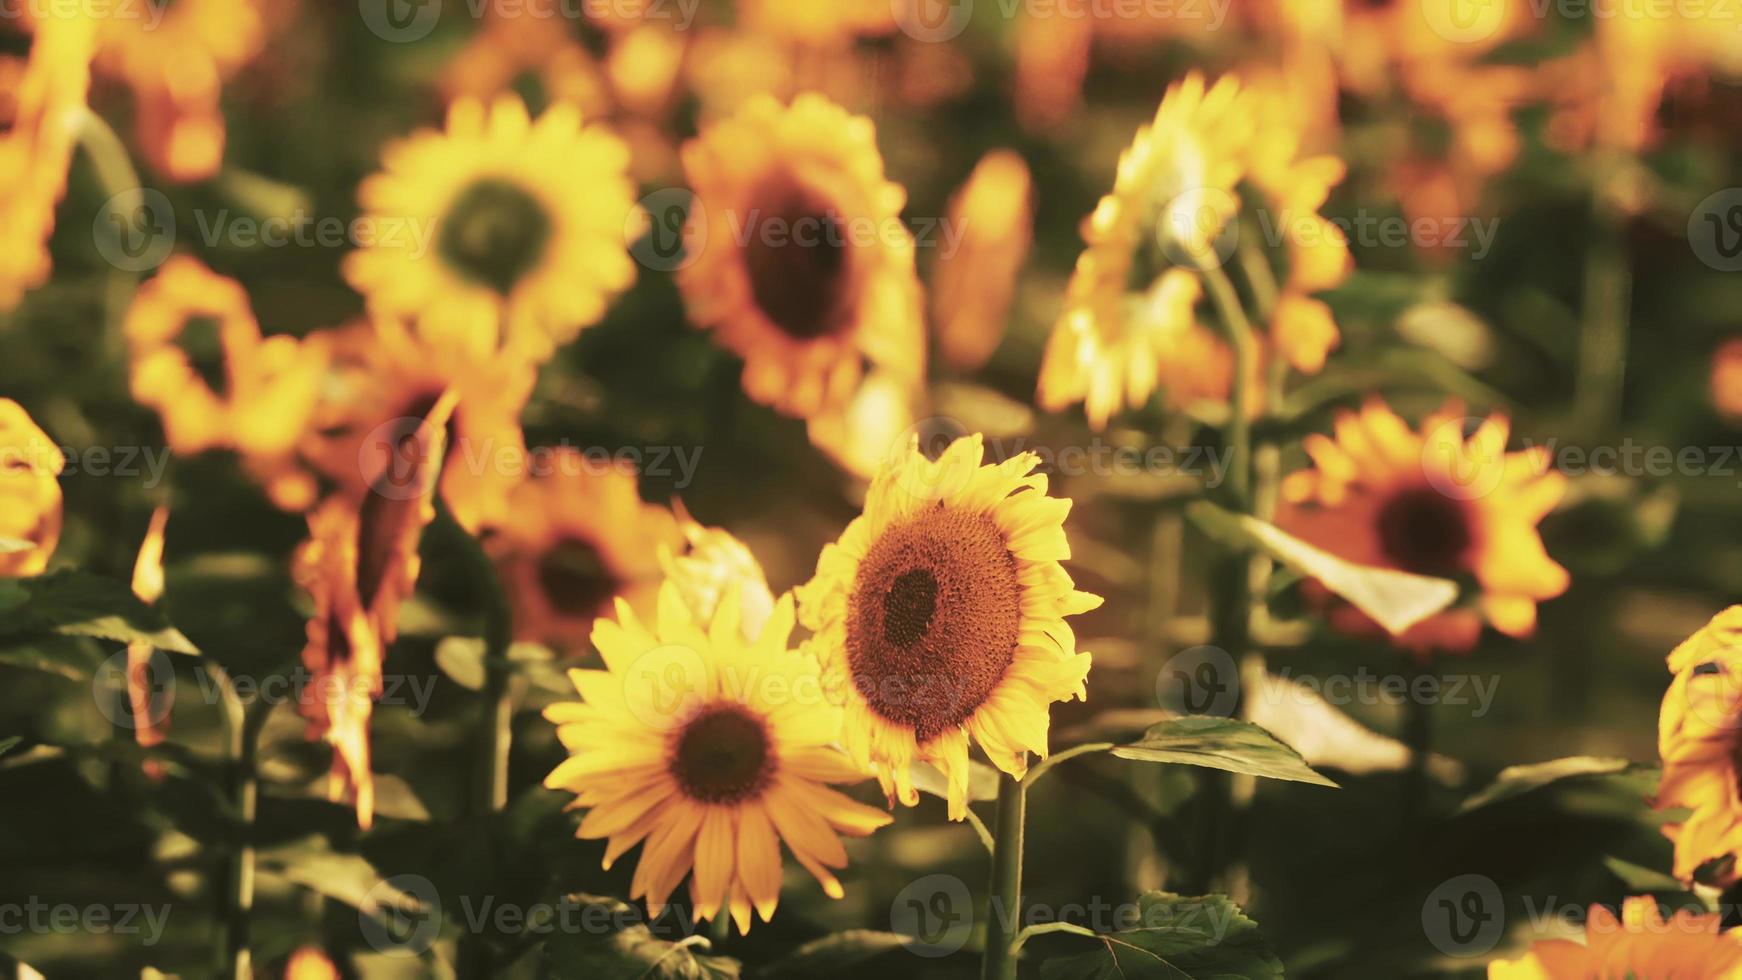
494,234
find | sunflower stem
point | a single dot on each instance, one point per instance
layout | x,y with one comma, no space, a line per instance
126,196
1418,735
496,713
242,729
1004,897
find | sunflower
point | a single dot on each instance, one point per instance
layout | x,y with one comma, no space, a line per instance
176,63
939,615
1172,195
525,223
714,773
1436,503
41,99
807,271
1727,379
972,287
30,497
386,377
359,563
1698,734
712,563
574,539
148,728
199,360
310,963
1640,943
1294,188
878,414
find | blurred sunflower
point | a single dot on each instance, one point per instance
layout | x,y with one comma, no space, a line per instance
176,63
1172,195
818,25
972,288
1698,734
1435,503
30,497
808,270
712,563
1727,379
714,777
875,419
574,540
385,378
939,617
42,97
148,727
1316,252
310,963
525,224
359,563
199,360
1639,944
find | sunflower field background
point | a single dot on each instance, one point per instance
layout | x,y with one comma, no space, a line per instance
1057,489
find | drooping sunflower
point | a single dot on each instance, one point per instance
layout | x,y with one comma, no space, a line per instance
385,377
176,62
1173,194
41,98
1640,943
972,287
939,616
359,563
805,269
30,497
712,771
199,360
501,230
574,539
1699,732
1432,502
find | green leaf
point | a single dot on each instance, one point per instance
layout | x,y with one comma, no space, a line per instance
982,781
7,744
1393,599
1517,780
632,952
1221,743
1175,938
1641,880
348,878
461,658
74,603
834,953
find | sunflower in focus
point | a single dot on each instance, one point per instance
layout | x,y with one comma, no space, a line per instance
713,774
199,360
359,563
807,271
939,616
1699,732
972,287
575,539
500,230
1173,193
42,96
385,378
176,57
30,497
1640,943
1433,503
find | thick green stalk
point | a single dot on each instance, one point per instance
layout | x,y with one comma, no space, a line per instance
242,728
1004,898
